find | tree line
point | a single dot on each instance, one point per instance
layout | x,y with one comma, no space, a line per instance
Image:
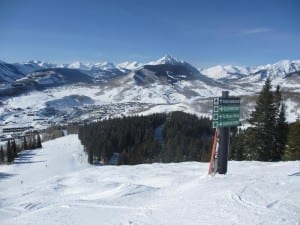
269,137
10,150
172,137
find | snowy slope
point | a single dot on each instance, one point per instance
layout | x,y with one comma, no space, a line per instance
167,59
60,188
9,72
226,72
79,65
280,69
33,65
130,65
159,86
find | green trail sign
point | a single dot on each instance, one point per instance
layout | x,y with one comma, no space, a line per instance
226,112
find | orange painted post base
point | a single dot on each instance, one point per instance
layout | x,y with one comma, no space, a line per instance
213,154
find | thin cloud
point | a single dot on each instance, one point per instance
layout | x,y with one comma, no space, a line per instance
257,30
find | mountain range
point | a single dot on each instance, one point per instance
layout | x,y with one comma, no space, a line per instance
167,67
100,90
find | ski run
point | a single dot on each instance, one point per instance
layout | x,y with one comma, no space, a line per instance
56,185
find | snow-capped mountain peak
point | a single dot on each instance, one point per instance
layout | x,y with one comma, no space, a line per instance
130,65
279,69
79,65
104,65
167,59
39,63
228,71
89,66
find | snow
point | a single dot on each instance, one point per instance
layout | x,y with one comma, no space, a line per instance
277,70
292,110
167,59
280,68
104,66
59,187
222,72
130,65
79,65
91,66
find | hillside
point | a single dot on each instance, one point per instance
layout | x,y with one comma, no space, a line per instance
164,85
59,187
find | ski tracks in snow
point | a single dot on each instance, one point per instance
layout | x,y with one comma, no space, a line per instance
69,191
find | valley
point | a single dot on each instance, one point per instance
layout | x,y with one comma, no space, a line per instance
51,94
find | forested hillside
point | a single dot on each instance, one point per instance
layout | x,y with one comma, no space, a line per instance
173,137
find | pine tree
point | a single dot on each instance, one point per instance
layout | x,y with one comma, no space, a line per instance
25,144
9,153
281,134
1,154
14,149
237,150
263,120
281,128
292,150
39,143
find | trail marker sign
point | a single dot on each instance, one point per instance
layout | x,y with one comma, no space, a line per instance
226,112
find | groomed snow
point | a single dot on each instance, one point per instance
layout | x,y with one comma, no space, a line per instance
59,187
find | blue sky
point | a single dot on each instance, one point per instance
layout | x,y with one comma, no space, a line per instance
203,33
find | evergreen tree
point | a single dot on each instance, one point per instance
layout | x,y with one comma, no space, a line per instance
263,120
14,149
292,150
267,137
281,128
39,143
1,154
134,138
237,151
25,144
9,153
123,158
281,134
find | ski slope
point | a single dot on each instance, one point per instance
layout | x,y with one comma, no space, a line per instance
55,185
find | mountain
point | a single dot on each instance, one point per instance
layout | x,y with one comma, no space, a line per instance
281,69
129,65
177,76
33,65
166,70
45,78
167,59
78,65
80,91
226,72
104,71
57,76
9,72
101,71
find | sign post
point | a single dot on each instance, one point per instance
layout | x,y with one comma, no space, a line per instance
226,114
